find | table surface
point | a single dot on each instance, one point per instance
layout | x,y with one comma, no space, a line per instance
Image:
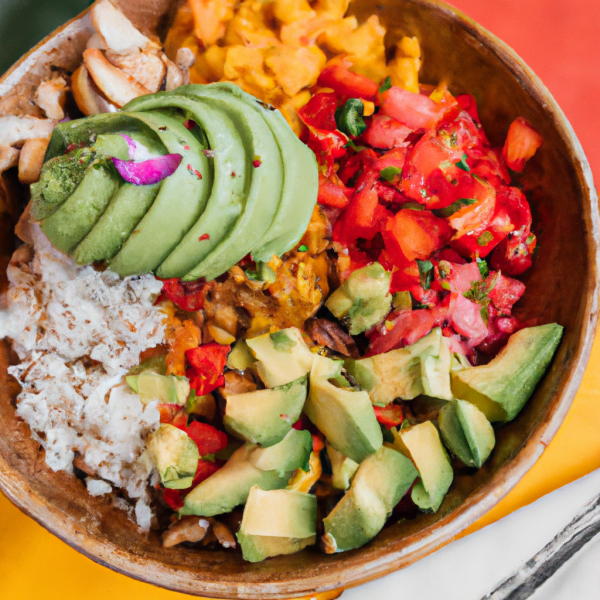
558,40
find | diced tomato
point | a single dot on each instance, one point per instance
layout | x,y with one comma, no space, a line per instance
357,164
332,194
384,132
429,298
489,165
319,112
407,328
478,215
514,254
461,277
205,469
451,256
505,292
468,104
403,279
389,195
327,146
208,439
318,442
298,425
415,234
389,416
187,295
521,144
173,414
395,157
466,319
207,362
413,110
173,498
337,76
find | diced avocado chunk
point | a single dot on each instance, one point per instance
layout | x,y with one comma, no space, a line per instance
282,356
277,522
363,299
154,364
459,362
421,368
344,415
422,444
175,455
230,485
240,357
379,484
169,389
293,452
202,406
265,416
342,467
466,432
501,388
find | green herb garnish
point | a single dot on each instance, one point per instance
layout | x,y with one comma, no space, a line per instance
483,267
303,248
349,118
462,164
413,206
425,273
448,211
530,238
485,238
389,173
423,193
386,85
479,293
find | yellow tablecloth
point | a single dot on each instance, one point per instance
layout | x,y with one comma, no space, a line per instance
35,564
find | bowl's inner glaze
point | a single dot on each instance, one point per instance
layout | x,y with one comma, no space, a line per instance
558,289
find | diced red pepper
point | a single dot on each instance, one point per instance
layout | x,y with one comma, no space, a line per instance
521,144
187,295
208,439
173,498
414,234
173,414
207,362
389,416
384,132
413,110
337,76
505,292
319,112
332,194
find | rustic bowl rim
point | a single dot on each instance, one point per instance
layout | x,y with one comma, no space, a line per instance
476,505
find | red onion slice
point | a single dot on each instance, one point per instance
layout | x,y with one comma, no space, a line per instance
137,151
148,172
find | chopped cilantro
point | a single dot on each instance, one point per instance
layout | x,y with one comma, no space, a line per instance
351,144
530,238
462,164
483,267
425,273
252,275
454,182
282,342
349,118
485,238
479,293
389,173
423,193
413,206
448,211
386,85
303,248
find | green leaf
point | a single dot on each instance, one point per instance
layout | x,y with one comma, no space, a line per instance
351,144
483,267
448,211
303,248
413,206
530,238
485,238
282,342
252,275
386,85
349,118
462,164
423,193
425,273
389,173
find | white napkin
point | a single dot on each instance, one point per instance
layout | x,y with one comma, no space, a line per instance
471,567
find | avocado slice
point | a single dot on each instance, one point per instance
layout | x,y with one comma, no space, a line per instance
277,522
342,467
293,452
265,181
363,299
421,368
154,364
344,415
175,455
178,205
169,389
379,484
466,432
422,444
300,181
240,357
202,406
501,388
59,178
228,195
282,356
265,416
230,485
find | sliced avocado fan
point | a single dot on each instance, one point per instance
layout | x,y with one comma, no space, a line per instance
245,184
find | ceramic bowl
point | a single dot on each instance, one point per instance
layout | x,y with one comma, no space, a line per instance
562,287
